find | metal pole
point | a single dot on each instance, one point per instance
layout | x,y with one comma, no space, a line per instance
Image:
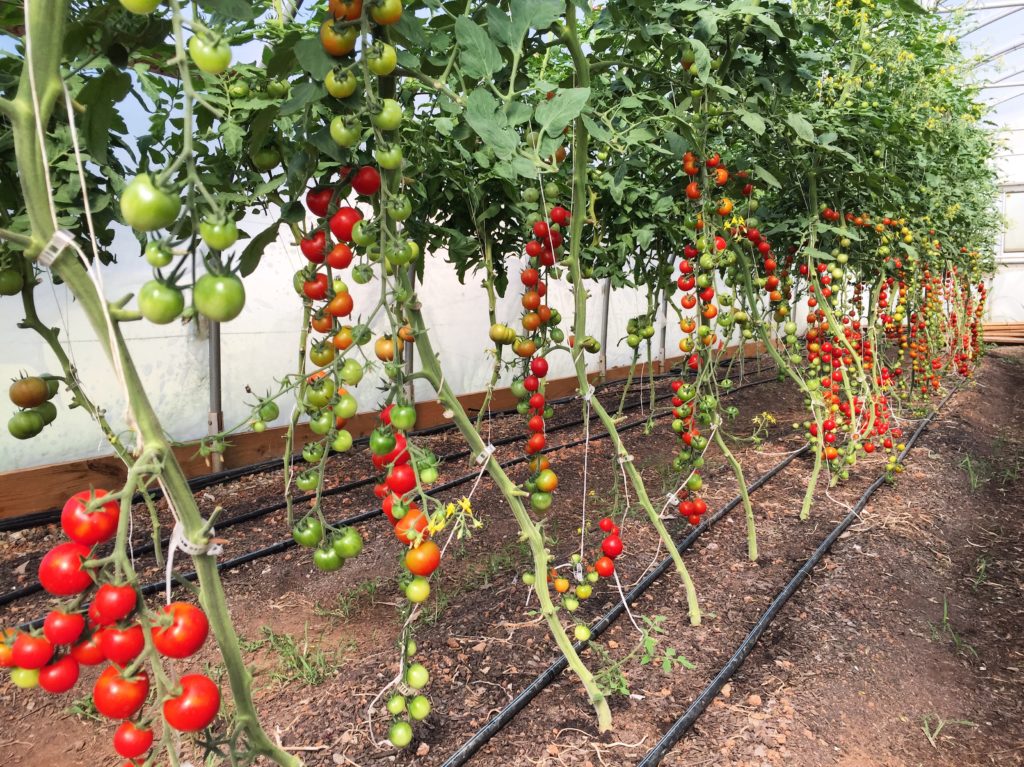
1008,49
215,418
606,300
993,20
1003,85
982,6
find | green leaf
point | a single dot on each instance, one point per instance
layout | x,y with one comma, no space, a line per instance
532,14
312,58
478,55
524,166
802,127
100,97
763,175
565,107
596,130
235,10
753,121
910,6
302,95
499,25
820,255
254,250
484,114
702,58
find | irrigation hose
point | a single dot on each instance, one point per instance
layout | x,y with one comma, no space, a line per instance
679,728
277,548
546,677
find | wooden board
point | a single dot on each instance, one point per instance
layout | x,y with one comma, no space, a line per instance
39,488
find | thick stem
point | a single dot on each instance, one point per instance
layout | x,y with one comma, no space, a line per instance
737,470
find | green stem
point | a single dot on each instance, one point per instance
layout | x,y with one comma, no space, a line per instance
737,470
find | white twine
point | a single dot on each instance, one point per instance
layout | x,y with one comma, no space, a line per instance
179,541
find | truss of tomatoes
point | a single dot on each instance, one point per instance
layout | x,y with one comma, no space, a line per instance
109,631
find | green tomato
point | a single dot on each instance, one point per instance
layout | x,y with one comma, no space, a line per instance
278,89
219,297
400,734
428,476
145,207
326,558
346,406
551,192
419,707
410,648
11,282
25,424
540,501
307,480
362,233
531,195
342,441
346,130
389,157
160,303
313,452
584,590
322,422
694,483
351,372
382,441
47,411
266,158
25,678
341,83
389,117
218,233
403,417
348,543
529,578
417,676
239,90
581,632
399,207
396,705
140,6
259,427
211,57
158,254
382,59
269,411
308,532
320,392
418,590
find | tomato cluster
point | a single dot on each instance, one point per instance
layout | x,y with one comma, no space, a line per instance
33,395
117,629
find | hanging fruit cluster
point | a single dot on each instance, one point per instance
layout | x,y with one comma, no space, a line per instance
33,395
116,628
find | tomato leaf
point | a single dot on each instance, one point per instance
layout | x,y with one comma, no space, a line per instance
302,95
565,107
234,10
532,14
768,178
486,117
753,121
801,126
478,55
312,58
254,250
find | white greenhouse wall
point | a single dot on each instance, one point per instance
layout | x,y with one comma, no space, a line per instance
258,347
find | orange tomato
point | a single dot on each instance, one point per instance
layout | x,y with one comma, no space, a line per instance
423,559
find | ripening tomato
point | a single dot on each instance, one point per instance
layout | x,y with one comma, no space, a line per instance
386,11
423,559
122,646
412,526
89,652
89,527
29,651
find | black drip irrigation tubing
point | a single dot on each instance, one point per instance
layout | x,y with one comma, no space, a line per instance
50,516
680,727
277,548
546,677
147,548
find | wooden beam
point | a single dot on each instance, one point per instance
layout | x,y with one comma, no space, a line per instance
27,491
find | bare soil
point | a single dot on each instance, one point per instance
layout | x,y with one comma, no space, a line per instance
904,647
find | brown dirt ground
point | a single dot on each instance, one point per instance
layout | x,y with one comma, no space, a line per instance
860,667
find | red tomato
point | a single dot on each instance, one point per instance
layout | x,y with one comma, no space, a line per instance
112,603
116,697
316,288
122,646
612,546
605,567
314,247
60,676
131,741
31,651
60,571
343,221
63,628
606,524
402,479
539,366
89,652
185,632
340,256
413,524
86,527
366,181
196,706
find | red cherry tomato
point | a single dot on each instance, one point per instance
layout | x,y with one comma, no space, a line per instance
196,706
605,567
60,676
131,741
185,633
112,603
117,697
87,527
60,571
63,628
